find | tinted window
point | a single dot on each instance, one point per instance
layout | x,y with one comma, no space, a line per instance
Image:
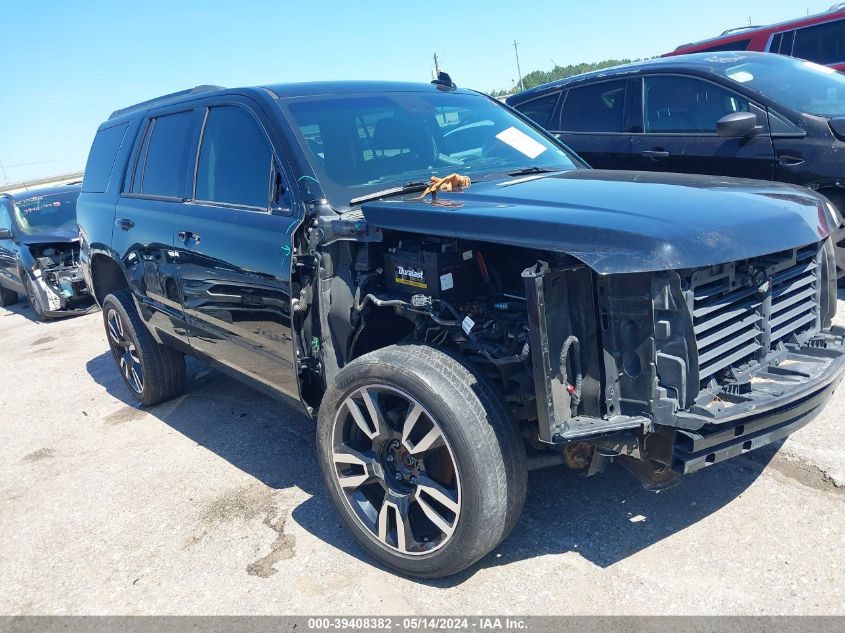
101,158
686,105
738,45
5,220
235,159
362,144
162,172
782,43
539,110
822,43
596,108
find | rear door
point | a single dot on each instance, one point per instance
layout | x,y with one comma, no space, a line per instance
234,244
593,122
156,184
679,130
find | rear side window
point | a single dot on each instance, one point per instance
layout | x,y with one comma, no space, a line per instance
235,159
684,105
596,108
163,161
101,158
738,45
539,110
821,43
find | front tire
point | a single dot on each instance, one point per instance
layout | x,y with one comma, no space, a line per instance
34,298
838,200
421,459
153,372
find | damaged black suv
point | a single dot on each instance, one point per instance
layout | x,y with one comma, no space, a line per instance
454,296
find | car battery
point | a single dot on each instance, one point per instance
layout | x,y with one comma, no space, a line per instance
438,269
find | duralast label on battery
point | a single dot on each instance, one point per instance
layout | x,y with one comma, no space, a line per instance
410,277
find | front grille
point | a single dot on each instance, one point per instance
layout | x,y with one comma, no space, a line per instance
742,311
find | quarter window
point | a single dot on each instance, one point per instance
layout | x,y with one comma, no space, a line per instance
101,158
683,105
539,110
235,159
596,108
163,161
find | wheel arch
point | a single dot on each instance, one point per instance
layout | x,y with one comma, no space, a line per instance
107,276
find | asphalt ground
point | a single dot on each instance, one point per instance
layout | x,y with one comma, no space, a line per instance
213,504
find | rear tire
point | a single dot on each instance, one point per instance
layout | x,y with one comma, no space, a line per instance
412,440
153,372
7,297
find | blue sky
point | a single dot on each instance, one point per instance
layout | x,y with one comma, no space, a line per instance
67,65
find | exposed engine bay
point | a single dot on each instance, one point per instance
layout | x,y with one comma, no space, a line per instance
58,278
666,372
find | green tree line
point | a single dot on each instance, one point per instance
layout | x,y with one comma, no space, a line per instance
538,77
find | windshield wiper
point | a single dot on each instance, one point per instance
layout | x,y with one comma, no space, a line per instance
525,171
408,187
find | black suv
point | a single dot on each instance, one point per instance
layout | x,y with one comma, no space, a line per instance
39,252
454,296
753,115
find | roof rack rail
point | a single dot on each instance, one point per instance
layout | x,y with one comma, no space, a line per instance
741,28
164,99
836,7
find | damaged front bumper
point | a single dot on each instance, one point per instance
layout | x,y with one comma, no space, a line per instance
62,291
781,399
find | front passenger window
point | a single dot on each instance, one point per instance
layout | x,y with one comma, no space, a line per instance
5,218
683,105
235,160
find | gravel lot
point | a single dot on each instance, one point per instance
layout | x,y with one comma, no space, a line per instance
212,504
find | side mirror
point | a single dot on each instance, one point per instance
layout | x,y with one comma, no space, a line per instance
737,124
5,234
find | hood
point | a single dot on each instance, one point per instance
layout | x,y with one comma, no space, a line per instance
57,236
620,222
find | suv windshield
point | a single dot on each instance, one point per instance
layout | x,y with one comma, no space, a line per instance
43,214
360,144
803,86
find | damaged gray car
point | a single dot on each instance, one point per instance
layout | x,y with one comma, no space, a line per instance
39,252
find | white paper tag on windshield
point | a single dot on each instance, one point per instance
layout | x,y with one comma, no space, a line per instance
520,141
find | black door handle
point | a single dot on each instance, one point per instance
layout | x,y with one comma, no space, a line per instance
124,224
189,235
655,153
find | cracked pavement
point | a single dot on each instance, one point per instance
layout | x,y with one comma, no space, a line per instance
212,504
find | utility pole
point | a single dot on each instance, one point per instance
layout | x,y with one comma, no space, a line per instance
518,71
3,169
436,66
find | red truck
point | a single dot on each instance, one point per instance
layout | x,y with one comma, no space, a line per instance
819,38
